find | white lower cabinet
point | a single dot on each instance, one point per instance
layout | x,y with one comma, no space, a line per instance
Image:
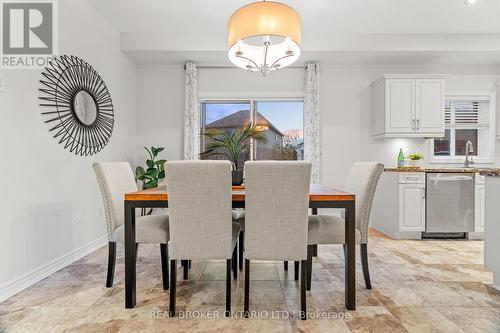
479,211
399,206
412,207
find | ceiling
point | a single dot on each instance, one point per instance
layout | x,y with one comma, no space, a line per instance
159,31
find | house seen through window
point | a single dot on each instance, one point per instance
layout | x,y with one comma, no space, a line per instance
281,122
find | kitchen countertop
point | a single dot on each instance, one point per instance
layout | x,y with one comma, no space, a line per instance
493,172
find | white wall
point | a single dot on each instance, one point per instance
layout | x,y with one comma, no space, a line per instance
237,83
43,184
345,106
160,120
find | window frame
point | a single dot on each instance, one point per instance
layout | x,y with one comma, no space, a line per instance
488,158
253,107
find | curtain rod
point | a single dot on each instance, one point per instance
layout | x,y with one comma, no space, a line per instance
234,67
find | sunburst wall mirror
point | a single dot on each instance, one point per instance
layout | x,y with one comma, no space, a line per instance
78,105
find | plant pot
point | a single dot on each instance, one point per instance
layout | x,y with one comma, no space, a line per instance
237,177
415,163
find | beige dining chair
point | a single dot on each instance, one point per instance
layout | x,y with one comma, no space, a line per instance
276,211
201,227
328,229
115,179
239,217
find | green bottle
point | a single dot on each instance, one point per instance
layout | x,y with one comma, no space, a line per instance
401,158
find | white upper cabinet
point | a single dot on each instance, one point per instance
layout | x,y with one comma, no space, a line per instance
429,109
408,106
400,105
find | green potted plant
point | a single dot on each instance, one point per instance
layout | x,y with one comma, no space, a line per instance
155,169
232,145
415,159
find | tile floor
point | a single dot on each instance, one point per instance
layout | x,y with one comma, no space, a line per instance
418,286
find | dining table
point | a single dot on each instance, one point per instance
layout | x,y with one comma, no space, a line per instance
320,197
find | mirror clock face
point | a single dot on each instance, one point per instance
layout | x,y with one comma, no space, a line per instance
85,108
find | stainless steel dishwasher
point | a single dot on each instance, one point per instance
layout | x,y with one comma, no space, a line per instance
449,204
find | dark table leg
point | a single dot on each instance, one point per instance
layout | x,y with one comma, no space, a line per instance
129,256
350,262
315,246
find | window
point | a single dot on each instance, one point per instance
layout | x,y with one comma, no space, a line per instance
281,121
467,118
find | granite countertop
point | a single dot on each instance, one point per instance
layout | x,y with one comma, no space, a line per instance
493,172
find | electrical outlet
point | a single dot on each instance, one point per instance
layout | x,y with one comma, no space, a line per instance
79,217
2,80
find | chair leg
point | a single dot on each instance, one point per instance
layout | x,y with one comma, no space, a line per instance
185,266
111,264
303,280
285,265
164,264
173,287
247,289
364,264
136,251
228,286
234,262
296,270
315,250
240,245
310,251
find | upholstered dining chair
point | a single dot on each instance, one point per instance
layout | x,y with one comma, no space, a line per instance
115,179
239,217
276,211
201,227
327,229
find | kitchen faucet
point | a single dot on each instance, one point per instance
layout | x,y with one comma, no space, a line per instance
469,148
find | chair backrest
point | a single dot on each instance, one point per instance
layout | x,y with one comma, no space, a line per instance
276,209
362,181
114,179
199,201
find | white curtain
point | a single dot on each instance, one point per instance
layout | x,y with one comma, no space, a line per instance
311,119
191,114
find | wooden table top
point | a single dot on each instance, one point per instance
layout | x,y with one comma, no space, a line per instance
317,193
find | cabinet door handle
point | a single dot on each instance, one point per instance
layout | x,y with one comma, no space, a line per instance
418,124
413,124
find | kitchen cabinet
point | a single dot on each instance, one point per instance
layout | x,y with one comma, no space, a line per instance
479,207
408,106
412,207
401,203
497,110
429,109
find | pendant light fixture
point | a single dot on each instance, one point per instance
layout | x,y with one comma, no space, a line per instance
264,36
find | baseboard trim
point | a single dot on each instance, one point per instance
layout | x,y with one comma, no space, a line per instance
22,282
388,234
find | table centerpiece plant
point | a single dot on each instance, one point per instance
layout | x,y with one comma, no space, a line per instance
232,145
